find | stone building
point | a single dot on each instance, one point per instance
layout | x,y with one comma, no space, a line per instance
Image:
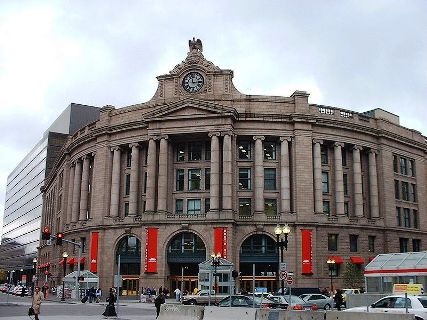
202,168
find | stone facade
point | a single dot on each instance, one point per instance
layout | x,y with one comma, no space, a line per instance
175,163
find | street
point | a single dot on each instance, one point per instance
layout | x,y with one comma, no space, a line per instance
16,308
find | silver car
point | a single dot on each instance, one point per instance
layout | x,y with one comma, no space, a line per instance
322,301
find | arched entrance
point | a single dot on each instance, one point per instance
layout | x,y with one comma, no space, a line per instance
185,251
129,249
259,250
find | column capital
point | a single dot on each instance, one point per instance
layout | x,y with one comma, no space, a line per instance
86,156
374,151
288,139
339,144
317,141
93,154
134,145
214,134
357,147
262,138
163,136
227,133
115,148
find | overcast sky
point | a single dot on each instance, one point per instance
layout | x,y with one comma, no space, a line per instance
356,55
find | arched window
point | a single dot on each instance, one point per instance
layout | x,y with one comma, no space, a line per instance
186,247
129,249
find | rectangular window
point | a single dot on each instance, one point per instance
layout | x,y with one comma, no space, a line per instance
398,217
353,242
208,150
406,218
371,243
405,191
245,150
195,151
126,209
207,205
415,219
145,182
207,178
193,206
269,179
395,164
403,243
83,242
413,192
346,209
245,208
412,168
325,182
180,152
127,184
245,179
332,242
324,154
179,206
270,207
396,189
326,207
180,180
416,245
129,158
269,150
194,178
403,166
345,183
344,158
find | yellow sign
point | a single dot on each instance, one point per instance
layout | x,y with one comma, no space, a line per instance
415,288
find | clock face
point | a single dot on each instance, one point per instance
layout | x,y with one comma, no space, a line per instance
193,82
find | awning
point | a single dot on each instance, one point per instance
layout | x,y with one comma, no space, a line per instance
61,262
357,260
71,261
337,259
398,264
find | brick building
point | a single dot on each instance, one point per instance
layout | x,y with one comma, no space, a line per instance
202,168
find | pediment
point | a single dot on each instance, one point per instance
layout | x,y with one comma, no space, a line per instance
188,108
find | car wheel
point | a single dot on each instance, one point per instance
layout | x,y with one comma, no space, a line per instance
418,318
327,306
192,302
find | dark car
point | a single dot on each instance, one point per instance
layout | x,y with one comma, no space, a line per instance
249,302
298,291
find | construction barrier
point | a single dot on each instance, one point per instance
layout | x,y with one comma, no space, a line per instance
180,312
265,314
339,315
227,313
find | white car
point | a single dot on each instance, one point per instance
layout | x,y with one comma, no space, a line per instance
416,305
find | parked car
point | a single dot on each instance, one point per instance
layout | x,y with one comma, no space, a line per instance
346,292
3,288
249,302
294,302
202,298
297,291
320,300
416,305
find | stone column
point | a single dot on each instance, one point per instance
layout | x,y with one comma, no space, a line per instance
84,189
69,214
215,155
259,174
285,190
373,184
76,191
115,183
317,176
227,173
357,182
134,174
339,180
151,175
163,175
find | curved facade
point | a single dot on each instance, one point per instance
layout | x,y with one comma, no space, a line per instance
203,168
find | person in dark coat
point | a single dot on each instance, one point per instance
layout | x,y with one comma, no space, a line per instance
110,311
160,299
92,294
338,299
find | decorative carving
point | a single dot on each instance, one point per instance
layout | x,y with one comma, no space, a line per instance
211,134
209,85
116,148
339,144
356,147
259,137
317,141
227,84
161,88
288,139
195,45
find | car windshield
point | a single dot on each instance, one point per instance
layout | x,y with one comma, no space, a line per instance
423,301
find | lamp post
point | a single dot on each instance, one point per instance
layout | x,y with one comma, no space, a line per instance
64,256
216,262
34,275
331,265
282,244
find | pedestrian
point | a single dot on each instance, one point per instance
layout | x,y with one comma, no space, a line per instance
98,295
110,310
37,301
177,295
160,299
338,299
92,294
195,291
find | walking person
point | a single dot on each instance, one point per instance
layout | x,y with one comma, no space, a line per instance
110,310
177,295
338,299
98,295
37,301
160,299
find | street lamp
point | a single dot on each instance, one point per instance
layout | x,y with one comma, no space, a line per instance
331,264
282,243
216,262
64,256
34,275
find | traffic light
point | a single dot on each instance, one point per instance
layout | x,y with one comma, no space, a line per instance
46,233
59,237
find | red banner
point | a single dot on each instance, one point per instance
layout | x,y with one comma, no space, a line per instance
151,249
307,254
220,241
94,252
